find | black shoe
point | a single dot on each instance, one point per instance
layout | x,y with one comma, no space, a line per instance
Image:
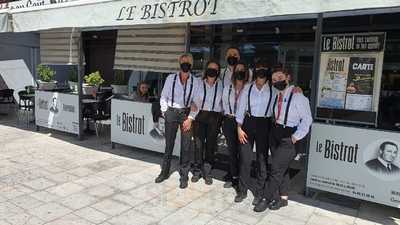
162,177
277,204
208,180
262,205
228,184
256,200
195,178
240,197
183,184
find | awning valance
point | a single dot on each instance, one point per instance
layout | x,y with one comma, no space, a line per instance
103,13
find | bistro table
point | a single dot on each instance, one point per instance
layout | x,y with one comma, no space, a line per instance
30,99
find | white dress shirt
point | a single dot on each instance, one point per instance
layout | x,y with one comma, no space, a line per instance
230,100
258,101
211,92
182,96
226,76
299,114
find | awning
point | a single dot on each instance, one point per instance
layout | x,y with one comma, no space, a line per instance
83,14
150,48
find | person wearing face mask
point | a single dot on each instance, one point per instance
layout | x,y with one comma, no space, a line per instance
208,101
254,120
232,58
291,123
230,101
176,99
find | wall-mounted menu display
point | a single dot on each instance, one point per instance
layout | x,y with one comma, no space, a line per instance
349,79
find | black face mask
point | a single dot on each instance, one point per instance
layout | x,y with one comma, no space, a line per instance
280,85
211,72
232,60
240,75
185,67
262,73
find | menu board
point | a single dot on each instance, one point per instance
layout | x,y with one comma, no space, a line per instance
349,79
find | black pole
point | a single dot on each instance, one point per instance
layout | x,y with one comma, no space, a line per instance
187,38
314,87
80,81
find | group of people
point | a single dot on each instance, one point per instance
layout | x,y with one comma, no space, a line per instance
257,109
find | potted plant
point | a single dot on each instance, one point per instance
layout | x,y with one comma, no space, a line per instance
46,77
92,83
119,85
73,79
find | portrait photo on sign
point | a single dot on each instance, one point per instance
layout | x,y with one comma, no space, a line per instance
382,159
158,131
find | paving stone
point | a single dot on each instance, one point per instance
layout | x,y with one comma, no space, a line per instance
92,215
45,196
50,211
65,189
24,219
209,206
80,172
62,177
101,191
186,216
128,199
78,200
111,207
26,202
279,220
133,217
90,181
8,209
157,208
40,184
70,219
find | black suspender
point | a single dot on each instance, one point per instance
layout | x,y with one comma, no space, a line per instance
205,95
223,78
269,102
268,105
287,108
186,103
173,90
248,100
190,93
229,99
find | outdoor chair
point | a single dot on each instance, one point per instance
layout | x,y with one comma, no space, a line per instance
7,98
25,108
102,115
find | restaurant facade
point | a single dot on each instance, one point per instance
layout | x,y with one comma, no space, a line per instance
345,56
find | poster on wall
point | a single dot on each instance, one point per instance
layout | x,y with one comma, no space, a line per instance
349,79
57,111
359,163
132,124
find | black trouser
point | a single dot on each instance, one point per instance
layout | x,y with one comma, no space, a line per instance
257,130
174,118
230,131
205,131
282,154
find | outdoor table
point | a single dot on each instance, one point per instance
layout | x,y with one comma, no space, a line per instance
31,100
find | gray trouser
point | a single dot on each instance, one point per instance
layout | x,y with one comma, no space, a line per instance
174,119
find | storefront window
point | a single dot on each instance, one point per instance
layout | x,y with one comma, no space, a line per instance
288,42
387,91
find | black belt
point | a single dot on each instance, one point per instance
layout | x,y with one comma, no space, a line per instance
257,117
179,110
229,116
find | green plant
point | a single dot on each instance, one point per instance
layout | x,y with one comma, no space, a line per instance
73,75
119,78
45,73
94,79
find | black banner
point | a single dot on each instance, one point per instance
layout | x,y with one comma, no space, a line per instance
353,43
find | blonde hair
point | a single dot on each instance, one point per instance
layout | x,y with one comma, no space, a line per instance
186,55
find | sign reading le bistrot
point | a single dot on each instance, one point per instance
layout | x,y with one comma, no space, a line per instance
355,162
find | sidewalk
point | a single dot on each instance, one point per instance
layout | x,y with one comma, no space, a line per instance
57,180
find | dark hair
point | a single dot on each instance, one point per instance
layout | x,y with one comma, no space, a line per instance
246,70
262,63
140,84
233,47
383,145
208,63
